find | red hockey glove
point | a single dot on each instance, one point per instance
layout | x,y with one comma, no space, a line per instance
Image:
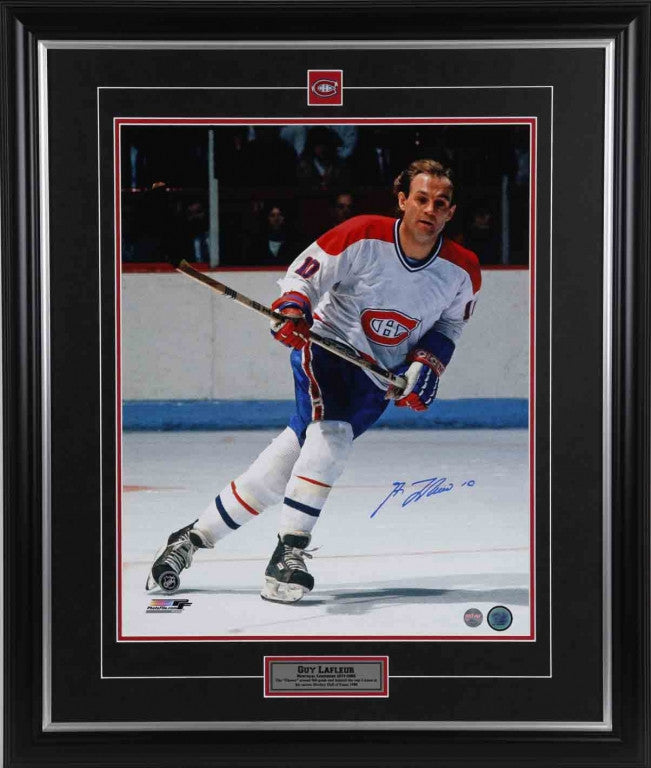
295,332
422,381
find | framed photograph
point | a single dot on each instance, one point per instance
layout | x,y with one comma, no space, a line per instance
325,371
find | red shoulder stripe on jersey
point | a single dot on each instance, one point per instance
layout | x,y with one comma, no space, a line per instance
336,240
463,258
241,500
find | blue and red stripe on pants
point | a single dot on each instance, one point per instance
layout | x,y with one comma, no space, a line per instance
329,388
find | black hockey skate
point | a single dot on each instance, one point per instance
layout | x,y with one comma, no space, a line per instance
286,577
174,556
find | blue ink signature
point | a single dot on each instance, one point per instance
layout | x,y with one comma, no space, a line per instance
430,487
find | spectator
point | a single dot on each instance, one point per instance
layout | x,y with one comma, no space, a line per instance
170,225
275,243
342,207
195,231
319,167
231,155
153,231
481,236
374,161
295,136
348,137
270,160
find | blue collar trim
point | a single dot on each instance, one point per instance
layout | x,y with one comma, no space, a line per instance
411,264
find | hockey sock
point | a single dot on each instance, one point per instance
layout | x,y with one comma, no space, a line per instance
259,487
322,460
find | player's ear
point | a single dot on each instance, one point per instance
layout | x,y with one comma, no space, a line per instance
402,201
451,211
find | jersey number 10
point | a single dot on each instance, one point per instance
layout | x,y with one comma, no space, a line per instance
308,268
470,308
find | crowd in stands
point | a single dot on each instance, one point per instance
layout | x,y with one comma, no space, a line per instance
280,187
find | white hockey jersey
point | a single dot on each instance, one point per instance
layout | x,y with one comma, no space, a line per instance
365,292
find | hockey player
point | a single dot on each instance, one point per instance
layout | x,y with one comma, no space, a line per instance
400,293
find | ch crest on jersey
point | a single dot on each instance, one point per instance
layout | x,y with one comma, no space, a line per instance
387,327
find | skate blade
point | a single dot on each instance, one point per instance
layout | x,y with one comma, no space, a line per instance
151,582
277,592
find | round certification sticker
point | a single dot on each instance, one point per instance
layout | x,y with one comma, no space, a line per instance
499,618
473,617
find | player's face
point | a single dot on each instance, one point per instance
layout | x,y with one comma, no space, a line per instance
427,209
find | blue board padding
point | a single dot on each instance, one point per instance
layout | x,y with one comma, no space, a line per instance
171,415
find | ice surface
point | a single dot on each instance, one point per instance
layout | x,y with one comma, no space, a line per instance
407,571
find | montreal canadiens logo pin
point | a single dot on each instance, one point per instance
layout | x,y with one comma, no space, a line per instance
325,87
387,327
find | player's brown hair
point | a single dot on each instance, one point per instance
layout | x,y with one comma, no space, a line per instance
402,182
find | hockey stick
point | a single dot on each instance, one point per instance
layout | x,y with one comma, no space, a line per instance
341,350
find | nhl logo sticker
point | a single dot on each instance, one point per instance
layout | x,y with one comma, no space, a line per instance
499,618
325,87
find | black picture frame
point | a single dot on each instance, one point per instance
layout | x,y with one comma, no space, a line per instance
26,742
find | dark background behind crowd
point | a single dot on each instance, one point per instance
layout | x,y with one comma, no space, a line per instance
279,188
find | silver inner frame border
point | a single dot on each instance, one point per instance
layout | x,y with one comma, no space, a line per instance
605,44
